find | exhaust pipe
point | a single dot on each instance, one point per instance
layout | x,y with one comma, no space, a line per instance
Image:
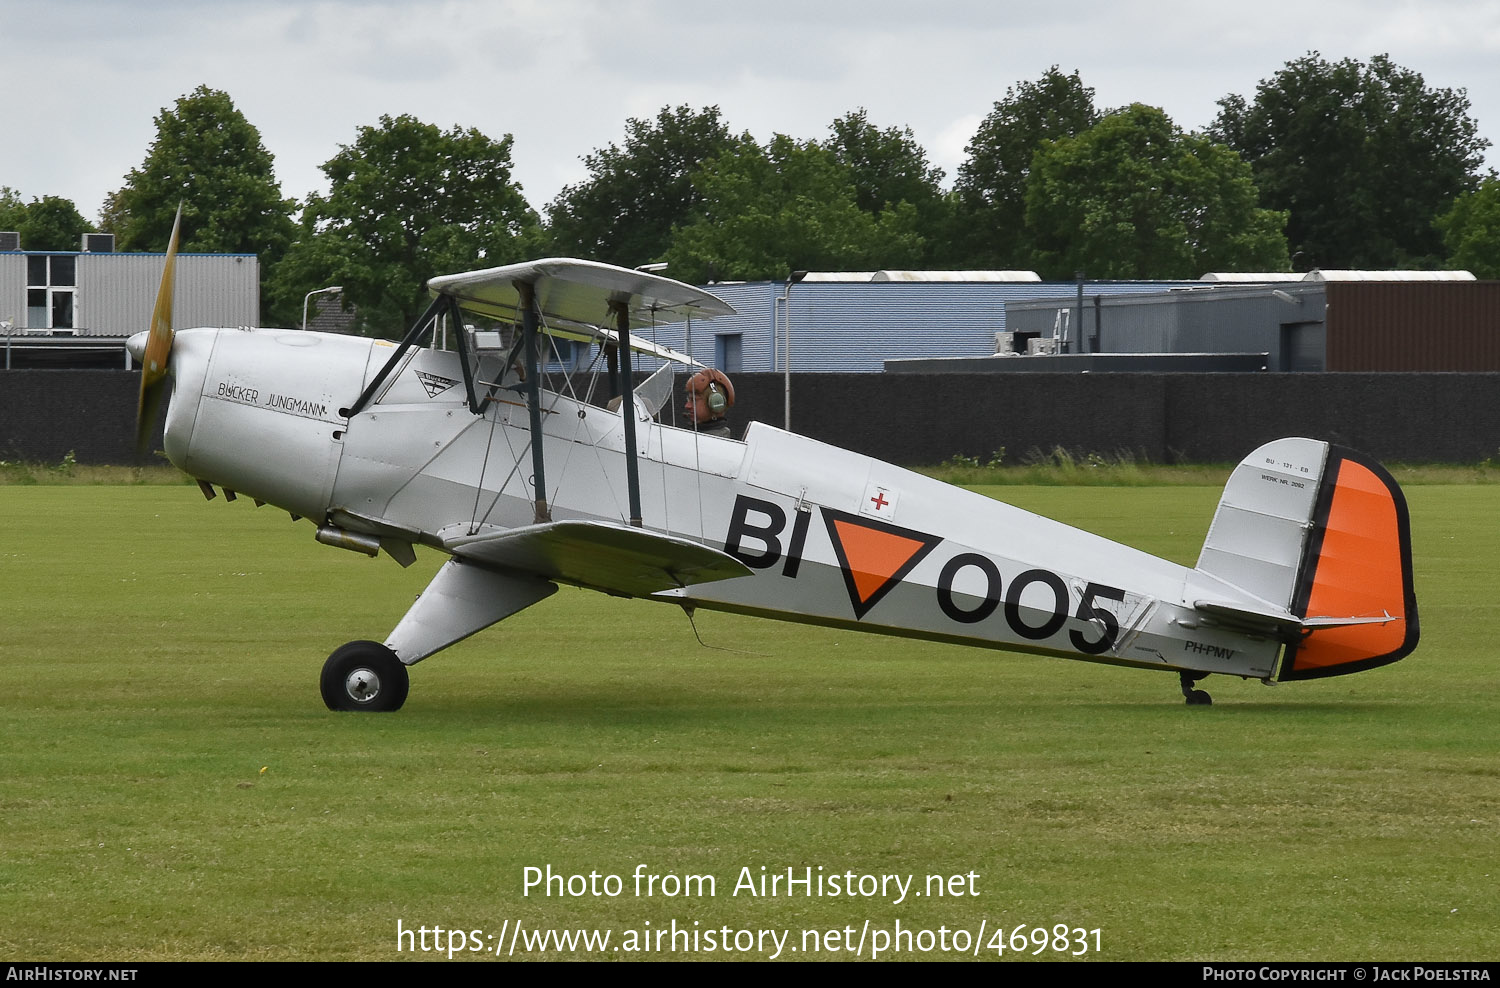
353,541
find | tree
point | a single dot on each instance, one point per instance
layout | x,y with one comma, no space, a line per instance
991,185
1135,197
407,201
48,223
1471,230
636,194
210,159
887,167
1363,158
12,209
790,205
53,223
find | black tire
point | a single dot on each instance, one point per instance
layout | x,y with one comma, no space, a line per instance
364,676
1198,698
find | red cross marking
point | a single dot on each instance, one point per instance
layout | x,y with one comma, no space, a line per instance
879,500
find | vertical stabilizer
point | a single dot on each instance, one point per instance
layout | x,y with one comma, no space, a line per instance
1260,531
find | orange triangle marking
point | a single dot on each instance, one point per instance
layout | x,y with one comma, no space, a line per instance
874,556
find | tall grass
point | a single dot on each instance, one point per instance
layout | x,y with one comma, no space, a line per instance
69,472
1061,467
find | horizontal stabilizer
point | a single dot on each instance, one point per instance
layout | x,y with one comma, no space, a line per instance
1280,625
1314,623
617,559
1277,624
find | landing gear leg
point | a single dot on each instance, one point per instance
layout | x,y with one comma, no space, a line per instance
1195,698
364,676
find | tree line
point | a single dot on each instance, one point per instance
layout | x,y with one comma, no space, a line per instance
1342,164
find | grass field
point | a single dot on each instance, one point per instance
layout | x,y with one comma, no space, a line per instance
171,786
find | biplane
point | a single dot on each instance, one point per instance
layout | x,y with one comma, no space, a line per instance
455,438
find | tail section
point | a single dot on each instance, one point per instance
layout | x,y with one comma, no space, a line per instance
1320,536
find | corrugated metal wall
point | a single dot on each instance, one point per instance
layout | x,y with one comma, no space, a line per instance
754,304
857,327
116,292
13,290
1404,326
843,327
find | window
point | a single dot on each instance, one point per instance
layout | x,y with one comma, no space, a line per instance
51,281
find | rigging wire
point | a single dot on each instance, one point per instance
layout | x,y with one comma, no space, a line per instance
592,369
484,465
515,459
553,355
502,407
490,410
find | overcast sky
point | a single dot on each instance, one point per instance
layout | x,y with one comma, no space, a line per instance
87,77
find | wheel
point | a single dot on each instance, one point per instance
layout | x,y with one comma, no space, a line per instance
1195,698
364,676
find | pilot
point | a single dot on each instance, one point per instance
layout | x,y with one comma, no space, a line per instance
710,396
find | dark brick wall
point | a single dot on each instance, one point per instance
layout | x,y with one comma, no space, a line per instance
1436,417
927,418
44,414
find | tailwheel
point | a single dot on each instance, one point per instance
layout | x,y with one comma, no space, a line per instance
364,675
1195,698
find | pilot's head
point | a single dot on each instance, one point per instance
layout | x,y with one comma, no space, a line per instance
709,396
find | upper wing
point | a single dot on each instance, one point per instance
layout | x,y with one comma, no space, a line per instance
614,558
577,298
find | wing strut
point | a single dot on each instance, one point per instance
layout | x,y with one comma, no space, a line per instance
527,292
627,407
425,324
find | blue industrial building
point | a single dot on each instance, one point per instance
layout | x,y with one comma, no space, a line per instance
854,326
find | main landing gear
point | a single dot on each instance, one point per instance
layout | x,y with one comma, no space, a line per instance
1195,698
364,676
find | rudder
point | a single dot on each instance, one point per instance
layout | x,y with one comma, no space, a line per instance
1357,564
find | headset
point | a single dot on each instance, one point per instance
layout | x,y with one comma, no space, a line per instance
717,403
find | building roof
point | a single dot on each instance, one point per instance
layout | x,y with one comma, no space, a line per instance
866,277
1317,274
1251,276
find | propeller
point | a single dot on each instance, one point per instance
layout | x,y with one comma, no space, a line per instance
158,352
